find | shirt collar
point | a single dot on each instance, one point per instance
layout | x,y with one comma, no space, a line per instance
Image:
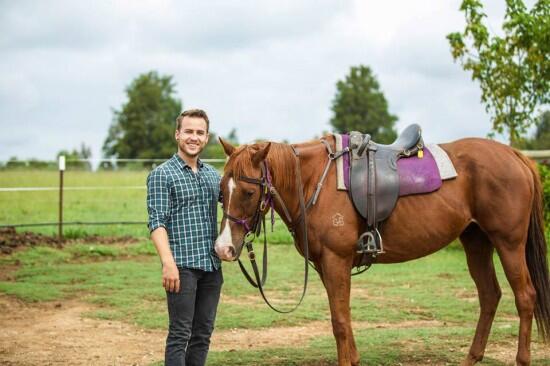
184,164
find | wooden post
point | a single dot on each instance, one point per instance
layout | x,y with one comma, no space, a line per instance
61,170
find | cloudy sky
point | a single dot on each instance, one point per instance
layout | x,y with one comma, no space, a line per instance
266,68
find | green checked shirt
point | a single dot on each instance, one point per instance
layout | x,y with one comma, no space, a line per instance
185,203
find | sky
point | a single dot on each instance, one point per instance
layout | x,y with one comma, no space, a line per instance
266,68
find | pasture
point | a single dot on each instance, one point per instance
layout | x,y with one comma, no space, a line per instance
90,303
104,196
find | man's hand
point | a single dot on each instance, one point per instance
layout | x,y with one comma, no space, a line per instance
170,277
170,273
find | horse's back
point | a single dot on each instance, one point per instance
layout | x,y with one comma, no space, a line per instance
488,168
493,188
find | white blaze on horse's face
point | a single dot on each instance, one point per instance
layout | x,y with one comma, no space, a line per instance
224,243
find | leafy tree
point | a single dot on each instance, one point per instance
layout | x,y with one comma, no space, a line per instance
360,105
144,126
514,70
541,141
541,138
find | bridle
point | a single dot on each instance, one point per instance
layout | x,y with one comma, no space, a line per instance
253,224
253,227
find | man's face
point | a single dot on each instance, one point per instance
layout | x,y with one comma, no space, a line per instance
192,136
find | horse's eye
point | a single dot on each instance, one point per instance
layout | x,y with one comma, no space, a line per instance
249,193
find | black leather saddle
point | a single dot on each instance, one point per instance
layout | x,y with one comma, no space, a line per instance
374,180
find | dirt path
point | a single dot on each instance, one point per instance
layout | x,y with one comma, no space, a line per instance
57,334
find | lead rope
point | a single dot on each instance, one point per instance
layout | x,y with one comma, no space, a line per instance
252,257
248,244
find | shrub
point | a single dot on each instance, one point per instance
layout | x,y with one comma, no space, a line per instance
544,172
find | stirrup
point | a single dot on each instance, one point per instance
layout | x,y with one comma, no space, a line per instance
370,242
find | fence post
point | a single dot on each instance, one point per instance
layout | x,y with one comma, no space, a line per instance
61,170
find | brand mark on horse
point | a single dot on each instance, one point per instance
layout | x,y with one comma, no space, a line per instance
338,219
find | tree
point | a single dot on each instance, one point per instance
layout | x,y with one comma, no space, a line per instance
513,71
360,105
541,141
541,138
144,126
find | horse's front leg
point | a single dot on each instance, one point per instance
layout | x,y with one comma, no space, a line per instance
336,278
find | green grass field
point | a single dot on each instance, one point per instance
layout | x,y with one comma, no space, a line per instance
121,281
94,204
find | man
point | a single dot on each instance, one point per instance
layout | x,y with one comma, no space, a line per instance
182,195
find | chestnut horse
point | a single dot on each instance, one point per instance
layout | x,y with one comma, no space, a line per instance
494,203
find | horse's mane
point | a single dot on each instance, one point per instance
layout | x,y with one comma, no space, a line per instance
280,161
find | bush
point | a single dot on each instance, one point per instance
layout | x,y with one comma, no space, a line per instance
544,172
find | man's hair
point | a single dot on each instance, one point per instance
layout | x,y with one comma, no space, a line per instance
192,113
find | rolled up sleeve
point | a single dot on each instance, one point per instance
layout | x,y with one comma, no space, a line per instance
157,200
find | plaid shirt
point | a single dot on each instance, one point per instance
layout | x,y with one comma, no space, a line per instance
185,203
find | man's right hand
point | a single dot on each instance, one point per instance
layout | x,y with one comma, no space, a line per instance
170,277
170,273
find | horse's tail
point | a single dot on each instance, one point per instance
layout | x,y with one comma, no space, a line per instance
535,251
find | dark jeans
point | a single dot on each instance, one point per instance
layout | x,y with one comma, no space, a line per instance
192,312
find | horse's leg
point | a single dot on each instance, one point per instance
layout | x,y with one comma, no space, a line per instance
353,348
515,266
336,278
479,254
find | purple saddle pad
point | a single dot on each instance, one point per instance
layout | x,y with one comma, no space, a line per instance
418,175
415,175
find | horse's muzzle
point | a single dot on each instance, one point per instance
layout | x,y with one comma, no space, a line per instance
226,253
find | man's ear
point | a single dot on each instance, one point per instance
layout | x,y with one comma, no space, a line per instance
227,147
261,154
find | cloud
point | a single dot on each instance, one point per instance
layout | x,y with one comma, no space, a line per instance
266,68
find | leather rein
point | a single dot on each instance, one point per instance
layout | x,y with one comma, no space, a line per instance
253,225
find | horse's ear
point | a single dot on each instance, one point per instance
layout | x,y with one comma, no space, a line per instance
227,147
261,154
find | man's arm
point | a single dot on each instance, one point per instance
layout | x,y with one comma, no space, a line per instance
170,273
158,197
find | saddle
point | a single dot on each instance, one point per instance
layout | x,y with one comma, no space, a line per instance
374,180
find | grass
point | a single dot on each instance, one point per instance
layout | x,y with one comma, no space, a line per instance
109,205
122,281
26,207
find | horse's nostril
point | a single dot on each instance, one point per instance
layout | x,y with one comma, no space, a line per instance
232,251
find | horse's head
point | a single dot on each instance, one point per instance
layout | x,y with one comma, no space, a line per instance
244,187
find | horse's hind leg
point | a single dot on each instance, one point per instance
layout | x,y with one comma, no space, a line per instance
479,254
515,266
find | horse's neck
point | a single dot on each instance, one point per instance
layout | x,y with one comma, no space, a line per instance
310,165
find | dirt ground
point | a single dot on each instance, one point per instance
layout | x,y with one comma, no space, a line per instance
56,333
11,240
